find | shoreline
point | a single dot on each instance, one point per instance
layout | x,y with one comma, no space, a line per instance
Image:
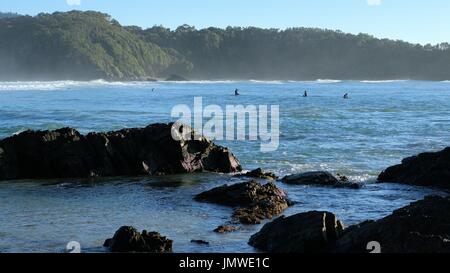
197,80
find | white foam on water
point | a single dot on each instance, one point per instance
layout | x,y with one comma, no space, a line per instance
266,82
327,81
63,85
201,82
384,81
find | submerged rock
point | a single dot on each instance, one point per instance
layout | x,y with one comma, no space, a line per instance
311,232
254,201
128,239
321,179
422,227
226,229
200,242
65,153
259,173
426,169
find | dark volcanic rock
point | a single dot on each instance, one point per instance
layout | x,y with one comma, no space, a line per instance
65,153
256,212
128,239
254,201
422,227
320,178
427,169
259,173
311,232
226,229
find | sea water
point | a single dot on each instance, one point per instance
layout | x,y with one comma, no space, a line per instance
380,124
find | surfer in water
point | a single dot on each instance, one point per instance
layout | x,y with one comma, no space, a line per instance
346,97
236,92
305,95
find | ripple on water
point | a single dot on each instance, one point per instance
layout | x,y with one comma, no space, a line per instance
382,123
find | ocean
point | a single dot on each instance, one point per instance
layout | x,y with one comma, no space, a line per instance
379,125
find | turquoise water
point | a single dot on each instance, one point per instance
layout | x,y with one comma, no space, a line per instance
382,123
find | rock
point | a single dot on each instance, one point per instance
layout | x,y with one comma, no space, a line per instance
422,227
427,169
226,229
176,78
259,173
65,153
311,232
253,201
321,179
200,242
342,178
255,213
128,239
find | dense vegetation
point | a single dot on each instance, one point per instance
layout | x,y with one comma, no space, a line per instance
89,45
77,45
300,53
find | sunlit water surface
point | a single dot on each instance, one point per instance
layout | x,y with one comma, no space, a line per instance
382,123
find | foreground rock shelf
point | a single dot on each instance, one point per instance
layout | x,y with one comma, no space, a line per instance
426,169
65,153
421,227
311,232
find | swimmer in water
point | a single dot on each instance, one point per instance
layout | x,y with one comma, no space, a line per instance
346,96
236,92
305,95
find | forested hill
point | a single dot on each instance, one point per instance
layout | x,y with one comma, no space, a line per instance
78,46
300,54
91,45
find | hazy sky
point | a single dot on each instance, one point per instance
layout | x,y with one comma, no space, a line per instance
421,21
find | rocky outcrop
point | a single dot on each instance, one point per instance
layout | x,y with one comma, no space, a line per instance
259,174
128,239
427,169
320,179
422,227
65,153
311,232
253,201
226,229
